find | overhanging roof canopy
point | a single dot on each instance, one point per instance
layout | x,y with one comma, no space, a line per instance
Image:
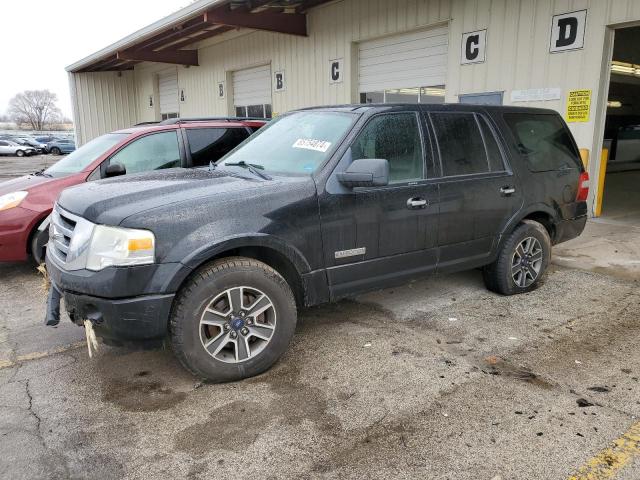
166,40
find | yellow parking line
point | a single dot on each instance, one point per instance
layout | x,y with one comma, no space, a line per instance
610,461
4,363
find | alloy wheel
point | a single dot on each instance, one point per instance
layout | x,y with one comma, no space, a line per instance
526,262
237,324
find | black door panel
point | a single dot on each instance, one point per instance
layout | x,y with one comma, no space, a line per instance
478,192
374,235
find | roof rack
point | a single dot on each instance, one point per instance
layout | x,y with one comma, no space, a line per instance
174,121
145,123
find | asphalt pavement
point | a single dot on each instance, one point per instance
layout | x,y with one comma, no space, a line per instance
438,379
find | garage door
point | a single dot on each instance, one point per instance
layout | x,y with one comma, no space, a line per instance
252,92
411,67
168,87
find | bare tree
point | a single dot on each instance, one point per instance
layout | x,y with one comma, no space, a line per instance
36,108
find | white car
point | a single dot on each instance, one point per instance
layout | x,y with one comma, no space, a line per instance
11,148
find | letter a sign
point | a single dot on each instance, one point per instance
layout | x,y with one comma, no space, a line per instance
473,47
567,31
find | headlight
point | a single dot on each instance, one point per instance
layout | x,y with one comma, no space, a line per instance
120,246
11,200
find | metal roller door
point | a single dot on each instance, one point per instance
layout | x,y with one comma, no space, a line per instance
252,92
168,89
404,64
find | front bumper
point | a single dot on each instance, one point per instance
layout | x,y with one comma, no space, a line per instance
126,319
15,226
122,303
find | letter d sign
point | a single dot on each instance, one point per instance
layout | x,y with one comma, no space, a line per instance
567,31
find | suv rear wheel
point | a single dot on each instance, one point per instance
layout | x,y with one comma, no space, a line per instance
233,319
522,262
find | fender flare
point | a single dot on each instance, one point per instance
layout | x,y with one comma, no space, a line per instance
521,215
262,240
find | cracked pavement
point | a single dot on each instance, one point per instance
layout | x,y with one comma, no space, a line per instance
438,379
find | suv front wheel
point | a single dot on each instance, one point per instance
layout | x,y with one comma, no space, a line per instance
233,319
522,261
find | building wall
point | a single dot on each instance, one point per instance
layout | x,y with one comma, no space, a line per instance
517,58
333,30
102,102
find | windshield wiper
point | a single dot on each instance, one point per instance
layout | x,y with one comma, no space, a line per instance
41,173
252,167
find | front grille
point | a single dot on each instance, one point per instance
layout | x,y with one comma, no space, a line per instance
63,227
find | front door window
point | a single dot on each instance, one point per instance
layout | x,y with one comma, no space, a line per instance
152,152
395,138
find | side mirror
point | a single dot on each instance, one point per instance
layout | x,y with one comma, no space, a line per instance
365,172
115,170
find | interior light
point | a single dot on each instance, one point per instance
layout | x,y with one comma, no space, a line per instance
624,68
614,104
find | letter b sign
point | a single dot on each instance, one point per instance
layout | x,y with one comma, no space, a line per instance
474,45
567,31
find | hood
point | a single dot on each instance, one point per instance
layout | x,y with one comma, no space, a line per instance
110,201
23,183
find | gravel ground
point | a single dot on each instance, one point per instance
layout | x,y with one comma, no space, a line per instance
439,379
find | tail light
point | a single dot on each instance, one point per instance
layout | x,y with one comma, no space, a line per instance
583,187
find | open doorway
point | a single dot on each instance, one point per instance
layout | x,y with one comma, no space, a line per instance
621,198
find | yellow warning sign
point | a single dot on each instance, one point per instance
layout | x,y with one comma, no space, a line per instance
578,105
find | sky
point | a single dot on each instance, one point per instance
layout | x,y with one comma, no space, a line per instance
39,38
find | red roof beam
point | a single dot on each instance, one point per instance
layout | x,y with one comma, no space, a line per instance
289,23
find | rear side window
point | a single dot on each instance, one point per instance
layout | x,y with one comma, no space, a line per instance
543,140
211,144
467,145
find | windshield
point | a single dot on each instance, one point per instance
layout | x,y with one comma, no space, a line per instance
293,144
81,158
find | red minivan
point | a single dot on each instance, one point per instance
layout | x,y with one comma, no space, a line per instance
26,202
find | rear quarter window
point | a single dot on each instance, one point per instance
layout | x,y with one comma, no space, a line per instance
544,141
211,144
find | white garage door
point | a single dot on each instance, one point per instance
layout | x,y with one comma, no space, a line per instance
252,92
168,87
411,67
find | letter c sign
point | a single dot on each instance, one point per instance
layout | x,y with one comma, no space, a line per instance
335,70
474,45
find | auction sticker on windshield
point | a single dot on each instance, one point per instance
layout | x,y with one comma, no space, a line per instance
311,144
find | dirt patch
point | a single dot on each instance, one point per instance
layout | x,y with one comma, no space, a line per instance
501,367
238,424
140,396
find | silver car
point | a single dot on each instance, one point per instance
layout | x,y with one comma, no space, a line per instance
8,147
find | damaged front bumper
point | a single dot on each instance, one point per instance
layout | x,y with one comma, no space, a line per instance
141,316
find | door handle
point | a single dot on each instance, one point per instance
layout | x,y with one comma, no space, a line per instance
506,191
416,202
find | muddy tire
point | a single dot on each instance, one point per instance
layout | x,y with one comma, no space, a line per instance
522,261
233,319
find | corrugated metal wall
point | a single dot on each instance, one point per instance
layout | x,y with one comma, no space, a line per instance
517,57
102,102
333,30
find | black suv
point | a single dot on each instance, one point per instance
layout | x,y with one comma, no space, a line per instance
320,204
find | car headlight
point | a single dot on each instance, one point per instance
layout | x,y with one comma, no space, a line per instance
113,246
11,200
